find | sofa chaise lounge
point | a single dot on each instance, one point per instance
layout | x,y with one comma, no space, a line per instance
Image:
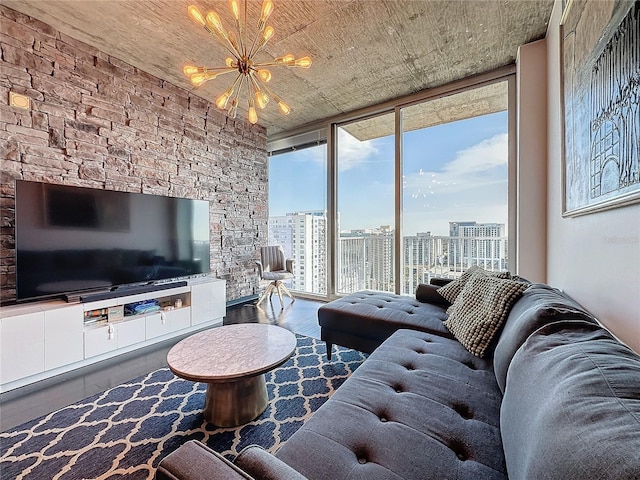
554,396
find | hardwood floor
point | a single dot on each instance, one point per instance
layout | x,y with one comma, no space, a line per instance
32,401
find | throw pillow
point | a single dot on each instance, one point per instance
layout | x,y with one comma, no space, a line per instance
481,309
451,291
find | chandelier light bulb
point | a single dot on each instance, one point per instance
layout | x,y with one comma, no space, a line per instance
235,9
198,79
267,10
262,99
304,62
284,108
264,75
285,59
221,101
253,116
230,62
190,70
267,34
195,15
213,21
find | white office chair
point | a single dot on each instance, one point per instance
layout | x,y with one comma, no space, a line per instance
275,268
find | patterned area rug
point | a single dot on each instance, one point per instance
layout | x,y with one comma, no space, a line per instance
124,432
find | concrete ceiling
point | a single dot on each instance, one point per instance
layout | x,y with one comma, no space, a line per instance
364,52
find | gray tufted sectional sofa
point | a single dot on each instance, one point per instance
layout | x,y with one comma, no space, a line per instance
559,399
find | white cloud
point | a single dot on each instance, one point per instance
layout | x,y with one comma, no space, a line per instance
489,153
317,154
352,152
472,168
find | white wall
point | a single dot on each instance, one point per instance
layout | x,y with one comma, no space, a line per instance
595,258
531,75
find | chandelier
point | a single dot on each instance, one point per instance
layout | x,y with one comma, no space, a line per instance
252,76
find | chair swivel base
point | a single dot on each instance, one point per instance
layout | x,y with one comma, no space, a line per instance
278,287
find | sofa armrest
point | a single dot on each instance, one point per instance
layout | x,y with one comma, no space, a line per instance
440,281
429,294
195,461
262,465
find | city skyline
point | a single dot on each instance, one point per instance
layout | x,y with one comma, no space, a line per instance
366,259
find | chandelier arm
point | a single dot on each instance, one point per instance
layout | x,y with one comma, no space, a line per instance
257,89
253,115
257,50
253,45
276,64
253,80
240,77
246,25
221,101
235,10
225,42
249,92
277,99
270,93
223,39
236,94
266,35
233,50
239,29
219,70
230,70
267,64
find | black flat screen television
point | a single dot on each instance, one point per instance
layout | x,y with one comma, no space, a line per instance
74,239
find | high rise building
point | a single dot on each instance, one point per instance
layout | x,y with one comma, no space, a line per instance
381,259
366,260
425,256
303,237
352,262
483,244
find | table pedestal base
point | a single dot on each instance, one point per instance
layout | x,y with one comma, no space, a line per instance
235,403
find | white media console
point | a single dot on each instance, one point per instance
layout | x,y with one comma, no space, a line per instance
43,339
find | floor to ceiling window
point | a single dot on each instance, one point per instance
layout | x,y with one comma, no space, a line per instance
365,205
298,214
455,185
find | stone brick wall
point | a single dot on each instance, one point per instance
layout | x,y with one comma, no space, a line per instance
98,122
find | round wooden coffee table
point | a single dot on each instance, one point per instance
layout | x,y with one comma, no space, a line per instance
232,360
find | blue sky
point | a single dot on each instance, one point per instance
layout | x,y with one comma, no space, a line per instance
451,172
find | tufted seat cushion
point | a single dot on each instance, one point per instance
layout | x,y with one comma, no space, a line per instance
365,319
421,407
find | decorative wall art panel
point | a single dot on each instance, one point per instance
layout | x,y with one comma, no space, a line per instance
601,75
